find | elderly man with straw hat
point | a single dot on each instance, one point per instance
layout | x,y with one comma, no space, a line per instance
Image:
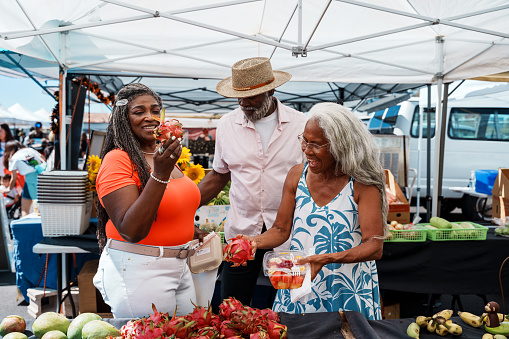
256,145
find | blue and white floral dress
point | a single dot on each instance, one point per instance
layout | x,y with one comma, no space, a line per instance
330,229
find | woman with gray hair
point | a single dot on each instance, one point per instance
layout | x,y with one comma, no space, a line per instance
335,209
146,212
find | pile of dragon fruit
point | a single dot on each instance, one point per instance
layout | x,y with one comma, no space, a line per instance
234,321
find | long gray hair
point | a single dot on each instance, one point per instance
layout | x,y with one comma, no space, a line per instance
352,147
120,136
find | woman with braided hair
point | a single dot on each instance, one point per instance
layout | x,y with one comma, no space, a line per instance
146,213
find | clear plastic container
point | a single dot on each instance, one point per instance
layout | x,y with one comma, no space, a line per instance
282,270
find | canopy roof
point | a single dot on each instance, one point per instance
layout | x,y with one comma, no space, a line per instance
199,95
347,41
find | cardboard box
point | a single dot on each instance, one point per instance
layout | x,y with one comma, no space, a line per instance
399,211
501,185
90,300
500,208
500,192
391,311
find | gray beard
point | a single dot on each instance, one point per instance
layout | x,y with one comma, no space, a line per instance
257,114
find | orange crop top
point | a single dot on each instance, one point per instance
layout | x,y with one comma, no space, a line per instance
175,216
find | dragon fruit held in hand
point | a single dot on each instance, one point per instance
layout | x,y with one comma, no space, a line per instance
238,252
167,129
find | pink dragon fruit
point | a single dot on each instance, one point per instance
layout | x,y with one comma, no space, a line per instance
271,315
202,316
238,252
168,129
276,330
228,306
259,335
227,330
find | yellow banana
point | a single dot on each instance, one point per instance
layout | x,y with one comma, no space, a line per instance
449,322
447,314
470,319
441,330
422,321
487,336
432,325
413,330
499,336
454,329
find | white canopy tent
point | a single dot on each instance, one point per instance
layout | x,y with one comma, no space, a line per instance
348,41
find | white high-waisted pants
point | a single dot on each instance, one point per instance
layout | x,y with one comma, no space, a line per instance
130,283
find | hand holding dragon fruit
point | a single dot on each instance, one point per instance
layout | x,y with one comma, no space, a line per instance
238,252
167,129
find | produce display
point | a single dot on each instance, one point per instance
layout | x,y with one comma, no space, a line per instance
282,269
234,321
238,252
498,332
503,226
440,324
223,197
439,229
399,232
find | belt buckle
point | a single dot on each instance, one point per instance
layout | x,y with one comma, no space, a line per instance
180,251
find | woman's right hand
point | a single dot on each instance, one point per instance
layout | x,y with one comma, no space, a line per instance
166,157
253,241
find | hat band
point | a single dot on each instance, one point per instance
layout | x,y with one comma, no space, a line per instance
254,86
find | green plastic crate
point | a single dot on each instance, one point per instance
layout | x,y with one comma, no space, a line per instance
415,235
222,237
453,234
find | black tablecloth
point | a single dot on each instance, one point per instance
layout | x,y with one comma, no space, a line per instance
445,267
328,325
438,267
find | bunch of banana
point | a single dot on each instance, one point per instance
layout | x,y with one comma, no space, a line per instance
471,319
440,323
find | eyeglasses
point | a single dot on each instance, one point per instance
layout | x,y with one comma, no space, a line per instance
305,144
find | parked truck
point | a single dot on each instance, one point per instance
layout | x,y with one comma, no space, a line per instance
476,137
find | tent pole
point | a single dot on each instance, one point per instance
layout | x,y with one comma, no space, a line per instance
428,157
438,125
440,168
438,141
419,155
62,108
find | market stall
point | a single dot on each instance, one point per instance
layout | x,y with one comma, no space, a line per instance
333,326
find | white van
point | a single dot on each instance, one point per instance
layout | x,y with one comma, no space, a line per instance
476,137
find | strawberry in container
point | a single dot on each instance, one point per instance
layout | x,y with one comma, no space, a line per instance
167,129
282,269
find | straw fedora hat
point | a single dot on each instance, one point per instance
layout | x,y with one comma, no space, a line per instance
251,77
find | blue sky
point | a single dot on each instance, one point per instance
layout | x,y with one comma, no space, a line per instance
31,96
25,92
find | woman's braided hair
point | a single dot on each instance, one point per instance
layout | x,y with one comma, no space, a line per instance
120,136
